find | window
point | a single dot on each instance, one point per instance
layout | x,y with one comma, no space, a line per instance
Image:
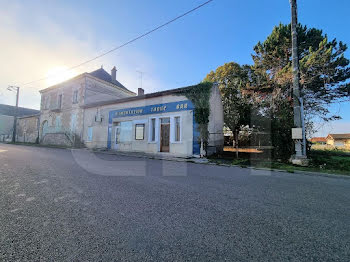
125,132
59,101
46,102
177,129
58,121
73,122
153,130
75,96
89,134
165,120
139,131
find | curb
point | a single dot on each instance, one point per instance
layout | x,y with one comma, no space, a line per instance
193,160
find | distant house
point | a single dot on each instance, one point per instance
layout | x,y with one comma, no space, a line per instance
339,140
7,114
319,140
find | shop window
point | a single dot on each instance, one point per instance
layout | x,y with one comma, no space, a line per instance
89,134
177,129
139,131
153,130
125,132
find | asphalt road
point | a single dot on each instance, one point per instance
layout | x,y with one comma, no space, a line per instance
62,205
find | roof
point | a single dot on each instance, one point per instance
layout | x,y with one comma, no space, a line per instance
134,98
28,116
99,74
103,75
318,139
339,136
22,111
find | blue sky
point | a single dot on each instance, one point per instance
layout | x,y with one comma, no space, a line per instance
41,35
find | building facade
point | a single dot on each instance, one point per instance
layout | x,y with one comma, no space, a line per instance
7,115
161,122
62,105
96,111
341,141
28,129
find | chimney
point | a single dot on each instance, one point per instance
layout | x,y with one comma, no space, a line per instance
140,92
114,74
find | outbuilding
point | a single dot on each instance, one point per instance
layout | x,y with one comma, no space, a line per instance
161,122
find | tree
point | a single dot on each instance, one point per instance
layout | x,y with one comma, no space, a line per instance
238,106
260,94
324,70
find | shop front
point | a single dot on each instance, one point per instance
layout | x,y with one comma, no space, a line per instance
167,127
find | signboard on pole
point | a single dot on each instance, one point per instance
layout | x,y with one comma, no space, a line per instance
297,133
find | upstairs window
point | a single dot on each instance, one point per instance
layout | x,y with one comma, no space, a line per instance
59,101
75,96
46,102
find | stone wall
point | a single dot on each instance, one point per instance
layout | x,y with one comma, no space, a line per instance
27,129
59,139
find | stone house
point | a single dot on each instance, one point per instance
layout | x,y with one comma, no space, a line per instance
62,105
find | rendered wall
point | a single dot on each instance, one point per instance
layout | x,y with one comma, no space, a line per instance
216,122
100,129
6,128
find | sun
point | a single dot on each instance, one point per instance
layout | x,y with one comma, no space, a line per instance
58,74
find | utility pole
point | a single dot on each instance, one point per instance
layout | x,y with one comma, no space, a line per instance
15,88
298,132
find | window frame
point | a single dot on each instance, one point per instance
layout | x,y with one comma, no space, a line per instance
75,97
151,129
90,138
59,101
143,131
180,129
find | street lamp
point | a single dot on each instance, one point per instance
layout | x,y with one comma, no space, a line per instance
15,89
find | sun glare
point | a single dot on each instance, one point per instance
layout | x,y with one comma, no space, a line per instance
59,74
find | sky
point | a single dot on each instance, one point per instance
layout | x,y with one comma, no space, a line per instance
41,38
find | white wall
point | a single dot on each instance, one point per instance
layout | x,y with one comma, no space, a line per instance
216,121
100,129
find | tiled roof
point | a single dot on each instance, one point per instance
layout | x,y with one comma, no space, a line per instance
318,139
340,136
103,75
22,111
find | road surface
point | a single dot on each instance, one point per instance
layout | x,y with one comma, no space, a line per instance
63,205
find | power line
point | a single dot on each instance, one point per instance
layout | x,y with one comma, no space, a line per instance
128,42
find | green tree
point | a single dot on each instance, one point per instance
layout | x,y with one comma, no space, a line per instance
238,105
324,70
260,94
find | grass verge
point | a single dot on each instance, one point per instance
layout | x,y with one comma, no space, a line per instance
328,162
